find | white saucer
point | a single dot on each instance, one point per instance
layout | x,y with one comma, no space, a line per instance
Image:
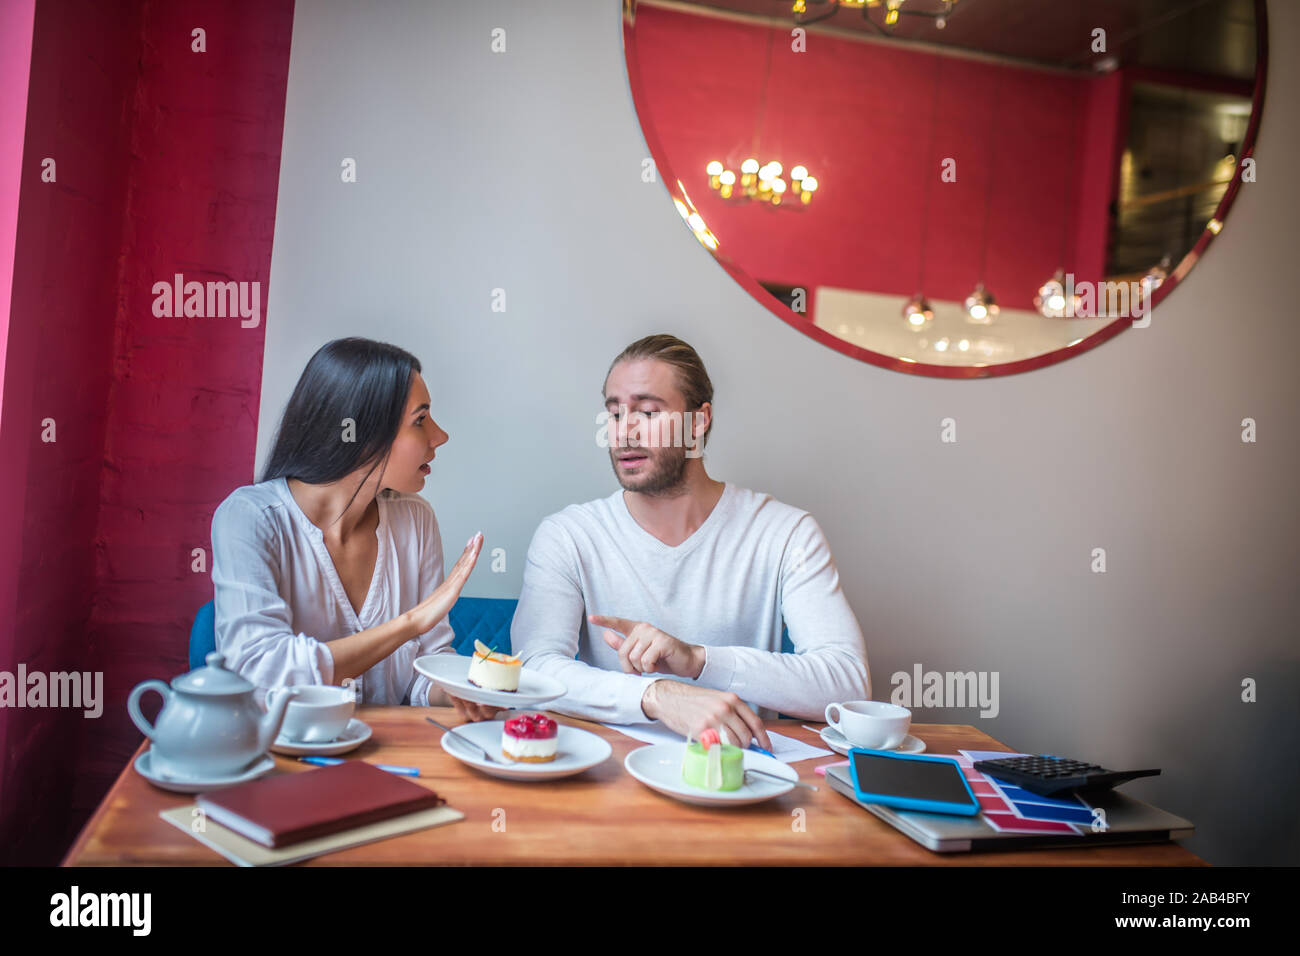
449,671
836,741
144,767
356,733
576,751
659,767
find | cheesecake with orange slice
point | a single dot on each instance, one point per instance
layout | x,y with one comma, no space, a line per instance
493,670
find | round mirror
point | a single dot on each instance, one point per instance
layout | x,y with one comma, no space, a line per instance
958,188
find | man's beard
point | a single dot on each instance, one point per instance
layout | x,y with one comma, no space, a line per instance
664,475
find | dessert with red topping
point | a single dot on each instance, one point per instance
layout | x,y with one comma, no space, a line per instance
530,738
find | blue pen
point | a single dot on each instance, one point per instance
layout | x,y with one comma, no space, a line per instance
762,751
391,768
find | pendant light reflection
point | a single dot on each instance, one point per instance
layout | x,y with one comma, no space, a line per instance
918,313
980,306
1050,301
1053,299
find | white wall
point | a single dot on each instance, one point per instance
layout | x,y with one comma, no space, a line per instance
522,171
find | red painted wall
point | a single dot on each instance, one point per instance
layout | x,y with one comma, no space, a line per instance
859,116
168,161
1105,121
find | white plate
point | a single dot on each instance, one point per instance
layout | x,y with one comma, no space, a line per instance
836,741
576,751
356,733
449,671
144,767
659,767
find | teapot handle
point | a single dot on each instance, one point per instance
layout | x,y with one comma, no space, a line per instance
274,692
133,704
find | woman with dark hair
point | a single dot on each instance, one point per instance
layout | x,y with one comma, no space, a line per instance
330,567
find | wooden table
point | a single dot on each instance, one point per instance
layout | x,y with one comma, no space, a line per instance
602,816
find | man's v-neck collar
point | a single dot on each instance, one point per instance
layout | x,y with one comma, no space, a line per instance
715,517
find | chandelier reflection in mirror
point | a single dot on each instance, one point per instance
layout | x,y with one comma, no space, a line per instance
979,187
892,11
761,183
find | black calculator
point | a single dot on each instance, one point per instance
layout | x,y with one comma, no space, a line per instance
1048,775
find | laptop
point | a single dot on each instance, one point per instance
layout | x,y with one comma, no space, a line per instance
1128,821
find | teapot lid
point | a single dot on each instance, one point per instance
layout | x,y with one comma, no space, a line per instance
214,678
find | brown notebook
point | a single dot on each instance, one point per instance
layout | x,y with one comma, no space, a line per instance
282,810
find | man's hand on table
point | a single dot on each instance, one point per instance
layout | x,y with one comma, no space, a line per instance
689,710
685,708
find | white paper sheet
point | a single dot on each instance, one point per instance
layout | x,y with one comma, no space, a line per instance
786,749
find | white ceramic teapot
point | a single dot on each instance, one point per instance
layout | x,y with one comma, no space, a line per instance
209,726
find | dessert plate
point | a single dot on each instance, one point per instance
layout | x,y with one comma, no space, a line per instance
144,767
839,743
356,733
659,767
576,751
450,672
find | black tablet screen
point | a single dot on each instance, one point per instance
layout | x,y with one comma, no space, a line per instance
918,779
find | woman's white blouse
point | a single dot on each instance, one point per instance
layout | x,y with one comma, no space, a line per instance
279,598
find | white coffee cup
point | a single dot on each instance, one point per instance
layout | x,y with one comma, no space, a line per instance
870,724
318,713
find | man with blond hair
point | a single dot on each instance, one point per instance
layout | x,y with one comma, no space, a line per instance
673,591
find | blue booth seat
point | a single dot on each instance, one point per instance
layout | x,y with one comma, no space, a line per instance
483,619
203,635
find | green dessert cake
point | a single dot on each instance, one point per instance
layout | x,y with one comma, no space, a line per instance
712,765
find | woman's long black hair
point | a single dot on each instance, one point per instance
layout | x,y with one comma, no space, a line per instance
353,378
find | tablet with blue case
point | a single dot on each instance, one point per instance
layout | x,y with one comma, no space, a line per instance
911,782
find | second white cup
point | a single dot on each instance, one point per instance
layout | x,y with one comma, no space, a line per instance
870,724
318,713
